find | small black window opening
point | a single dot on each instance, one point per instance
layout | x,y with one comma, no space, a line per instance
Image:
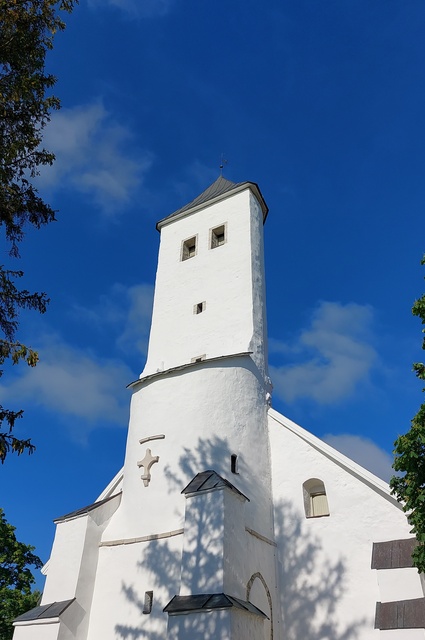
218,236
199,307
189,248
147,607
234,463
198,358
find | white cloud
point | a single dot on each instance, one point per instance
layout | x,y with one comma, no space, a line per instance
333,355
86,390
74,383
196,177
138,318
137,8
127,310
364,452
93,157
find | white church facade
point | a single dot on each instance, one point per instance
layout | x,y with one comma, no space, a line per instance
227,521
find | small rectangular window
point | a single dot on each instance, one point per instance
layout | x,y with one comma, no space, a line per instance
198,358
234,463
147,607
199,307
218,236
189,248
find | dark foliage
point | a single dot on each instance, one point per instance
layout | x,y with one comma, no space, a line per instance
409,452
16,578
27,28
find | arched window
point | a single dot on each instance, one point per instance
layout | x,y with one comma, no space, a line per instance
258,593
315,500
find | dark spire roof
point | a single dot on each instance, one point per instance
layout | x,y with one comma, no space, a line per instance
215,191
217,188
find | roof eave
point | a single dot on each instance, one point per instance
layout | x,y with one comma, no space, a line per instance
237,189
367,477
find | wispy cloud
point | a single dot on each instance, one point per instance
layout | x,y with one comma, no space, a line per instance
79,386
93,157
194,179
137,8
126,311
138,319
73,383
364,452
332,356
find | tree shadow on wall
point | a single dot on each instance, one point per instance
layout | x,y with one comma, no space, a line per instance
162,560
142,631
213,454
132,632
311,585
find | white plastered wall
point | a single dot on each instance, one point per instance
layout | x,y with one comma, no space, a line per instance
216,625
209,625
248,626
326,561
228,278
211,411
194,419
71,574
399,584
36,631
206,413
402,634
220,553
72,564
125,572
203,553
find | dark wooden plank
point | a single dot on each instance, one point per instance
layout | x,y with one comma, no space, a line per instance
402,614
393,554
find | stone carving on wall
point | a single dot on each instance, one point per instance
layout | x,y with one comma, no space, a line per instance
147,463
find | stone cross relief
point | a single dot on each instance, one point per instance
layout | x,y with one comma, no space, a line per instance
147,463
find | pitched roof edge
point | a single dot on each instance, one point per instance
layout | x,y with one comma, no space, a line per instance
43,613
369,478
85,510
108,491
239,187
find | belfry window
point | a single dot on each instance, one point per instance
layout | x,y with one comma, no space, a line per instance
218,236
315,499
189,248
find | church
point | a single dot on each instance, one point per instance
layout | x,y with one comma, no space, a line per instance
228,521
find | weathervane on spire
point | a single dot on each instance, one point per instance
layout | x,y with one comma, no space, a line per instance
223,161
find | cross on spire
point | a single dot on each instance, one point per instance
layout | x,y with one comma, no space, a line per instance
223,161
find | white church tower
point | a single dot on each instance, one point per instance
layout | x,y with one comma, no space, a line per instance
198,423
227,521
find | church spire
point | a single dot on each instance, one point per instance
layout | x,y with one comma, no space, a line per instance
209,292
219,189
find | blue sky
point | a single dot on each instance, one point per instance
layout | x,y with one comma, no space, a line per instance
321,103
